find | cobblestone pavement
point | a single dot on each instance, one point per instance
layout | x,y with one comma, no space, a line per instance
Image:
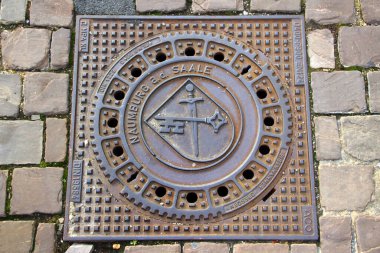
35,82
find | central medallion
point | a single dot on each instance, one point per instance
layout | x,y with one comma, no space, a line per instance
193,124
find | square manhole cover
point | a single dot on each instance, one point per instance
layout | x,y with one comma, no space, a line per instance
190,128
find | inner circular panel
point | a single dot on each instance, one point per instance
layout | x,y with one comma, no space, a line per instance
199,127
167,160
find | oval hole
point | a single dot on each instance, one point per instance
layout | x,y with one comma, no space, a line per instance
160,57
264,149
189,51
261,94
117,151
119,95
136,72
245,70
191,197
269,121
112,122
248,174
160,191
222,191
218,56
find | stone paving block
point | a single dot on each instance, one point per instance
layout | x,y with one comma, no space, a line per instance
328,88
374,91
104,7
16,236
22,136
45,238
166,248
330,11
261,247
162,5
10,94
321,49
327,138
359,46
276,5
36,190
371,11
205,247
3,191
367,232
45,93
80,248
12,11
56,140
335,234
60,48
51,12
360,136
304,248
25,48
339,186
202,6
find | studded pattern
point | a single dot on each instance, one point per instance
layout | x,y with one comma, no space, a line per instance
287,210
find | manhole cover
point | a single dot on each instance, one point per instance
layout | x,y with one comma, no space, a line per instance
190,128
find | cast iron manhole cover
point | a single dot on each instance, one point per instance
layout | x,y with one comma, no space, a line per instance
190,128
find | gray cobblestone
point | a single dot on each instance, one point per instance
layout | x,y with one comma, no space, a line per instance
374,91
56,140
45,238
45,93
330,11
16,236
51,13
359,46
261,247
360,136
12,11
46,186
80,248
104,7
335,234
167,248
371,11
202,6
25,48
10,94
304,248
339,186
276,5
163,5
21,142
327,138
3,191
329,87
367,230
60,48
321,49
205,247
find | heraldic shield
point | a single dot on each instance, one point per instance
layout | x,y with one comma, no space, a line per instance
189,119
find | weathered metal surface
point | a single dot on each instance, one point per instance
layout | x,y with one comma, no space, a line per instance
190,128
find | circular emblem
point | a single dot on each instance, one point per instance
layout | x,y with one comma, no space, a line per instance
191,125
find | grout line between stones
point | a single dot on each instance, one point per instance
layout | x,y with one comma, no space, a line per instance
358,13
34,233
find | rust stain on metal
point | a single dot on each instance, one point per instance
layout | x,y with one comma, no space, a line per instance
190,128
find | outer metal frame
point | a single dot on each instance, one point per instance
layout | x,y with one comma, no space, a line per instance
237,237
